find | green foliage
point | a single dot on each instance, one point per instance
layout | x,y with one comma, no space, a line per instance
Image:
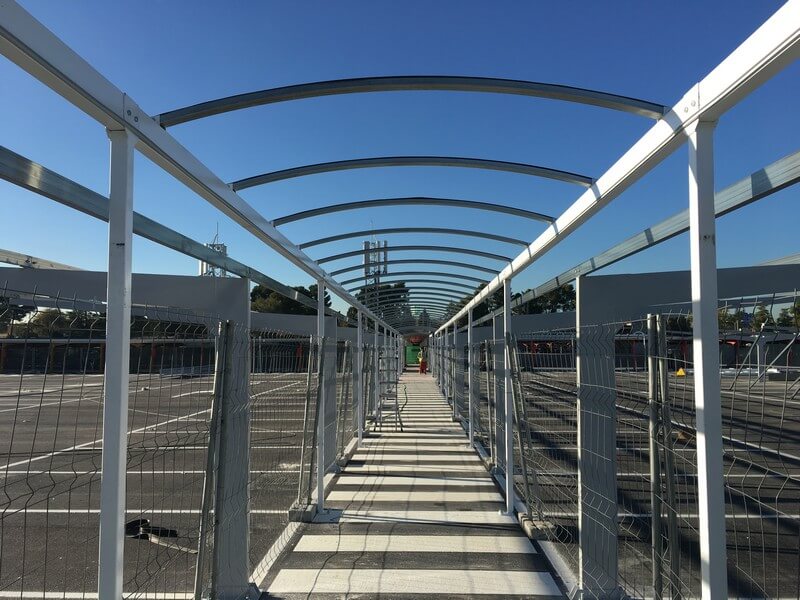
561,299
267,301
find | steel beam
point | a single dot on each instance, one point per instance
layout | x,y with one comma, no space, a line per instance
36,178
412,230
412,161
771,48
412,83
415,248
412,201
26,261
760,184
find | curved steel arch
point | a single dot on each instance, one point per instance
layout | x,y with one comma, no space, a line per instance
412,161
412,201
411,83
477,280
464,286
397,301
436,230
414,261
403,297
413,248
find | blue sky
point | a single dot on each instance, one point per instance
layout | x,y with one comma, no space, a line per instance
170,54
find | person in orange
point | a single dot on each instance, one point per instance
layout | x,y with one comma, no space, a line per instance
423,363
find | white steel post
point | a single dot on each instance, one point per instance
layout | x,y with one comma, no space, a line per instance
702,244
508,429
117,367
359,377
470,358
322,398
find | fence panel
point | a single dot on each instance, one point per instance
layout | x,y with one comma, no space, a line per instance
283,393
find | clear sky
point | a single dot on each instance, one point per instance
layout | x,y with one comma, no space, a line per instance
169,54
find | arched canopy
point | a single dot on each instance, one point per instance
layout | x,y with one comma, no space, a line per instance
411,230
438,282
448,274
410,83
415,248
415,261
402,295
412,161
412,201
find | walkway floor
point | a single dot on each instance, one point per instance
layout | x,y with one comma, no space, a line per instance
418,515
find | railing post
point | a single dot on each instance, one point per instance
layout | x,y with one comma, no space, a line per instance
705,333
359,379
507,406
471,388
117,366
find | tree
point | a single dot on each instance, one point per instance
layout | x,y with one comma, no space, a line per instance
268,301
393,297
561,299
790,315
10,315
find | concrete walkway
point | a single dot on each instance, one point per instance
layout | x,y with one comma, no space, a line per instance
414,513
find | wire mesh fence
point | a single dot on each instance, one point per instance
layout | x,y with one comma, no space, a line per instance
636,427
51,397
345,408
283,397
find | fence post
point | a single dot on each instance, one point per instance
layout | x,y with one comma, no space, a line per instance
655,461
470,373
322,398
673,533
497,406
377,376
212,462
454,371
705,334
507,406
597,448
117,366
359,379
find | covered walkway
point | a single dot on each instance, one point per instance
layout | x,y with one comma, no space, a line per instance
414,512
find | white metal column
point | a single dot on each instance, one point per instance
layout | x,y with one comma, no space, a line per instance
322,398
509,410
702,244
359,391
471,387
117,367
